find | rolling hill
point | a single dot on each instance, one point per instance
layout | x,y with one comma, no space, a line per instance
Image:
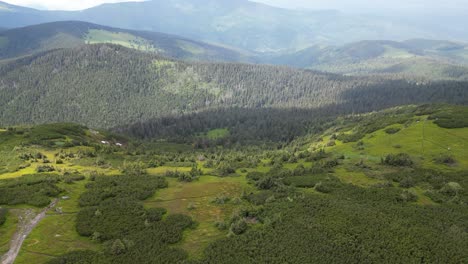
422,58
105,85
418,57
244,24
69,34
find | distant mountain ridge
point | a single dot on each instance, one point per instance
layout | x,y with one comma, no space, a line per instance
432,59
69,34
243,24
417,57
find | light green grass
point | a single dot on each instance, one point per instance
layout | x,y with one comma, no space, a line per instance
391,52
218,133
423,140
190,47
163,169
357,178
56,234
53,236
95,36
422,198
178,196
7,230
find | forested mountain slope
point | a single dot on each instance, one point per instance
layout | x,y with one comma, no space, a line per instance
69,34
107,85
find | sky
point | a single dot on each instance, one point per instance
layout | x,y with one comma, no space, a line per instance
370,4
63,4
312,4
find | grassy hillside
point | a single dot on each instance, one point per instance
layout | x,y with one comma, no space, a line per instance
387,177
70,34
107,86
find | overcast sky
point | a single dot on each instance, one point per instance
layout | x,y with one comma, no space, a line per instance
63,4
313,4
370,4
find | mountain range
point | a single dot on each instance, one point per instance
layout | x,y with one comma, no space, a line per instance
246,25
432,59
416,57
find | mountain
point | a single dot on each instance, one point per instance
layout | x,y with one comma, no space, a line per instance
69,34
417,57
244,24
106,85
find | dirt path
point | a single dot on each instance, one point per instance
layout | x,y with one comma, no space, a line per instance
25,228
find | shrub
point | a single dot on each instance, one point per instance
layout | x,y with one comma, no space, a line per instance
445,159
34,190
239,227
221,199
451,189
323,188
392,130
301,181
255,175
115,247
155,214
401,159
407,182
45,168
134,169
221,225
225,169
407,196
267,183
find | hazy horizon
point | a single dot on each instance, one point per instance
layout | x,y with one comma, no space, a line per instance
342,5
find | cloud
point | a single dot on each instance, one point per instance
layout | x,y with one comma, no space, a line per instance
63,4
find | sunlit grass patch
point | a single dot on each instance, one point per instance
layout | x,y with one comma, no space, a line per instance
355,177
163,169
196,200
95,36
218,133
54,236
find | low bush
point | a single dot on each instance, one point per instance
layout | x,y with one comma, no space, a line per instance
398,160
392,130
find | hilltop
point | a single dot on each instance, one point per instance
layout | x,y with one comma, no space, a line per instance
71,34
